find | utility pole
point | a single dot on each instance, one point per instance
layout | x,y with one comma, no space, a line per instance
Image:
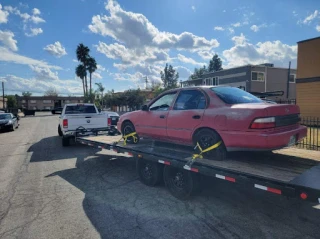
146,82
3,95
288,79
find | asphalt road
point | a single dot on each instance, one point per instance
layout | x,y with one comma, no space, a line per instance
47,191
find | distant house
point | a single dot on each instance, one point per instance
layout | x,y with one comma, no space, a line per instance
46,102
308,77
252,78
3,105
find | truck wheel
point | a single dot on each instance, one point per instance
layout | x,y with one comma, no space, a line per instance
181,183
207,138
129,128
150,173
60,131
65,141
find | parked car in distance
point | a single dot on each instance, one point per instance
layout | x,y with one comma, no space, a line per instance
74,116
57,110
8,122
207,115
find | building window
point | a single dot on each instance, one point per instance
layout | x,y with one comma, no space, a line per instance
33,101
292,78
257,76
211,81
46,101
23,101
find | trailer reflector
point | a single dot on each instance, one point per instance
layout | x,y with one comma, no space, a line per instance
230,179
272,190
303,196
191,169
164,162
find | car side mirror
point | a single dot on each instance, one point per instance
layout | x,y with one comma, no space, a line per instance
144,108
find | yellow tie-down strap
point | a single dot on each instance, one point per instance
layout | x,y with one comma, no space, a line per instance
194,156
125,137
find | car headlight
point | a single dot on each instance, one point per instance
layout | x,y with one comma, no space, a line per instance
9,122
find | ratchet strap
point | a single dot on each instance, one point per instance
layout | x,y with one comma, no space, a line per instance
205,150
125,137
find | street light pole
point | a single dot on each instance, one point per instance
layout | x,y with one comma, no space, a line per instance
3,95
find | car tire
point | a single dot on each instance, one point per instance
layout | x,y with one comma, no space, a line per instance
207,138
13,128
150,173
65,141
181,183
128,128
60,131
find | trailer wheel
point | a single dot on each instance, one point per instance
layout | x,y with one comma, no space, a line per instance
150,173
59,131
129,128
207,138
181,183
65,141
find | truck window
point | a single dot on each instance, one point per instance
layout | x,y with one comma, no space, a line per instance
80,109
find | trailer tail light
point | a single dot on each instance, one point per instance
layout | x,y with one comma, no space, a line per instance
65,123
264,123
303,196
109,121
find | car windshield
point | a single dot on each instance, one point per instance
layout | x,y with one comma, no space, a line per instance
233,95
80,109
5,116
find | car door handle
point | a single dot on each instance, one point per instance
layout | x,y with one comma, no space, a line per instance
196,117
162,116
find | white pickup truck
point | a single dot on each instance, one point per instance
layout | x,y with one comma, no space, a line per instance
80,116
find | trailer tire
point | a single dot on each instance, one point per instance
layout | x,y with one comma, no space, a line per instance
207,138
128,128
181,183
65,141
150,173
60,131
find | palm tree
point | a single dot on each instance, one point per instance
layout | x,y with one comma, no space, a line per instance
82,56
91,67
101,90
82,74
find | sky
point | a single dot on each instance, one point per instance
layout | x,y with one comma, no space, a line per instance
131,40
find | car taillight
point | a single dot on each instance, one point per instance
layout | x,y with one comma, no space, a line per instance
109,121
65,123
263,123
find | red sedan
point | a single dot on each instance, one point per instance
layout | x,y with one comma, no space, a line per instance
207,115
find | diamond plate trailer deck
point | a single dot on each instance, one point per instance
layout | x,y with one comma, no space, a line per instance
279,174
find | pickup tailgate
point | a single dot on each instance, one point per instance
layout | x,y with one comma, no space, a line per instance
87,121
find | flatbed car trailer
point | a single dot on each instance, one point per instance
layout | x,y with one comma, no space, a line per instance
279,174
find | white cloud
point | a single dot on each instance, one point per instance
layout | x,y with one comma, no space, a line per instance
36,11
237,24
75,60
6,37
311,17
9,56
135,30
206,55
56,49
3,15
184,72
36,86
100,68
193,8
34,32
96,75
295,13
37,19
256,28
231,30
188,60
318,28
44,73
243,53
217,28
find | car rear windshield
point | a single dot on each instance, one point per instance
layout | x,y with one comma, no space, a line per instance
233,95
5,116
80,109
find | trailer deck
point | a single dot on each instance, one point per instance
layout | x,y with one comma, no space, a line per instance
276,173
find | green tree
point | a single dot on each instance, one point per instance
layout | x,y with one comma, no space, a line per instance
82,74
26,93
199,72
215,64
51,92
82,56
91,67
169,77
100,91
11,101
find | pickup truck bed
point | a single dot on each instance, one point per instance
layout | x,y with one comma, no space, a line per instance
276,173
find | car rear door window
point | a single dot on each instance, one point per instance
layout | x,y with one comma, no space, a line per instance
189,100
163,103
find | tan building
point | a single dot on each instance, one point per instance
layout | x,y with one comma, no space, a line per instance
3,106
46,102
308,77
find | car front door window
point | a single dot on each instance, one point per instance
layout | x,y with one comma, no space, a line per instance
190,100
163,103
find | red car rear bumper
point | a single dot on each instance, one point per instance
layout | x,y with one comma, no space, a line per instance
235,141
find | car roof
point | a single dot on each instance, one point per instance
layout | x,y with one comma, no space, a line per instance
74,104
